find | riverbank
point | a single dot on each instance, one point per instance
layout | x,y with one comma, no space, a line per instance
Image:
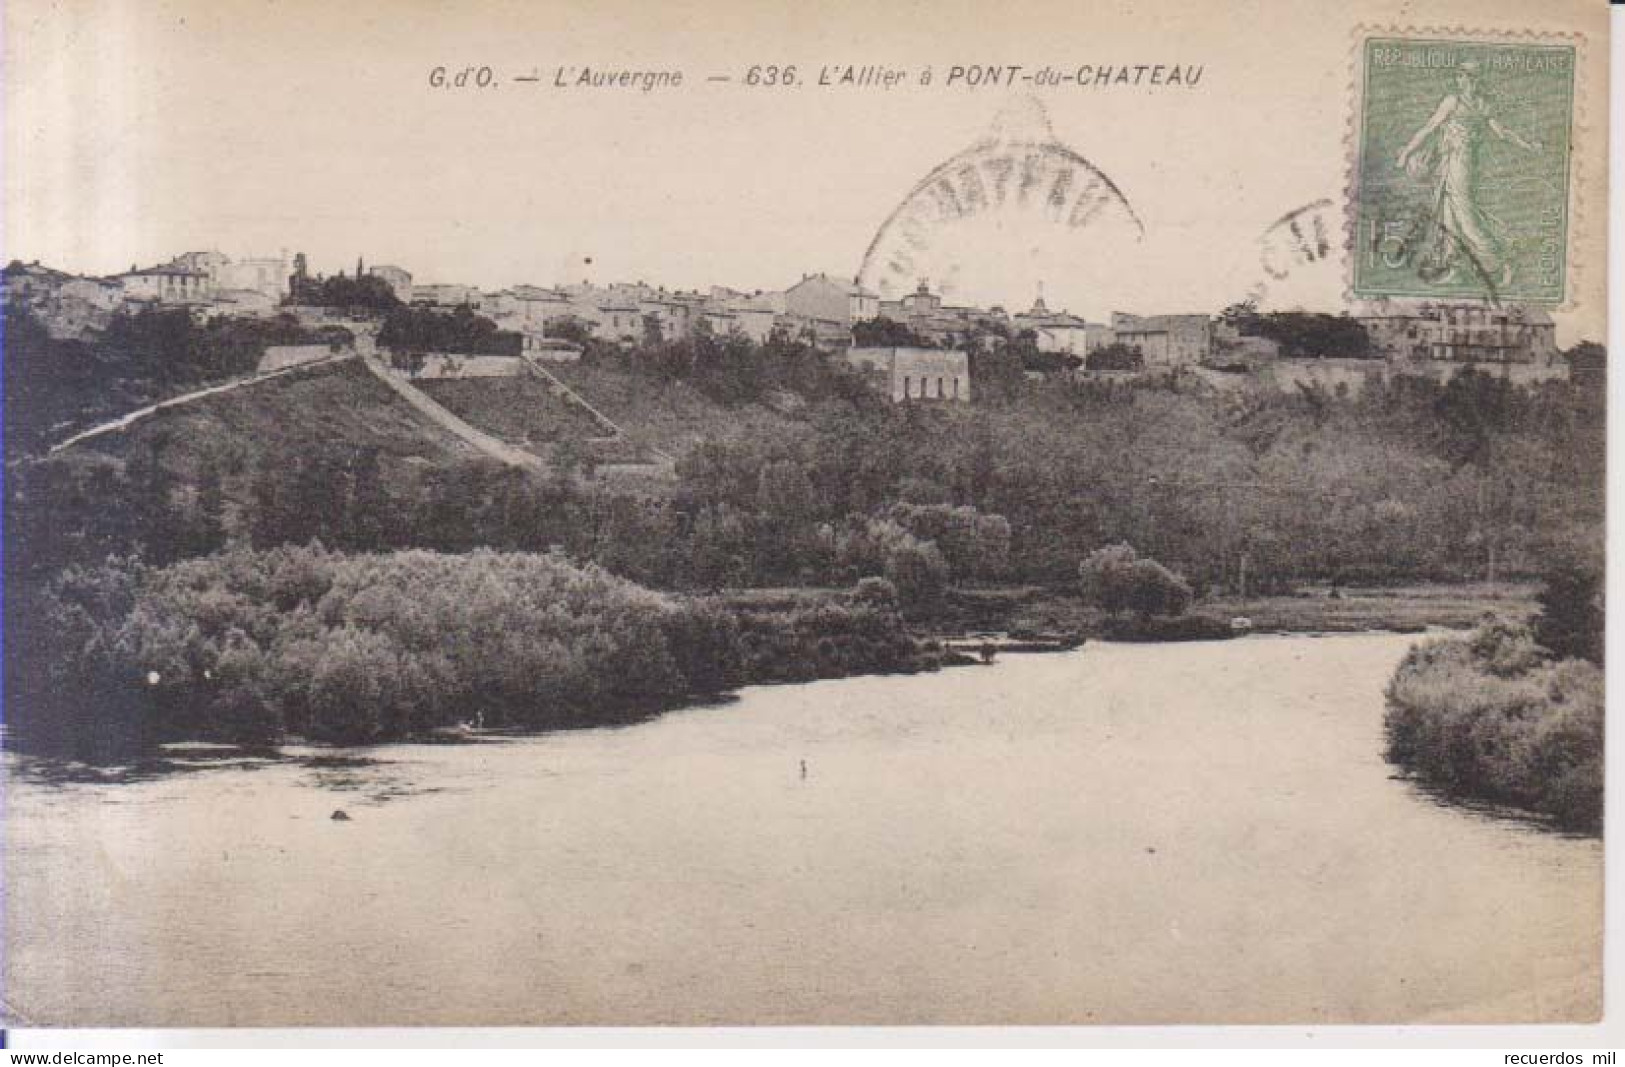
259,646
1315,609
1493,717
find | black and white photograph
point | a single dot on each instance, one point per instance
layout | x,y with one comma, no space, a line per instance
709,514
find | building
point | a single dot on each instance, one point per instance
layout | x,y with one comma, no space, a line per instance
830,334
399,280
267,275
916,374
818,296
28,283
614,320
718,320
80,308
525,308
924,313
921,303
1165,340
1059,331
674,316
207,263
754,320
170,284
445,296
1459,333
242,303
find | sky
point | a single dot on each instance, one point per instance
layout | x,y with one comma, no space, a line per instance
138,129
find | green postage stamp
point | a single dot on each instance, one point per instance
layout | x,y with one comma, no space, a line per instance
1462,181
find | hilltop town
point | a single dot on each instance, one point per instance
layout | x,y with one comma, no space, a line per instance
915,347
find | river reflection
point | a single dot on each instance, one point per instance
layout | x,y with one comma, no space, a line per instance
1191,833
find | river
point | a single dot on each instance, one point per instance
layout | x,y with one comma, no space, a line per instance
1121,834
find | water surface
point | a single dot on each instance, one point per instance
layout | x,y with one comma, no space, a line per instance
1125,834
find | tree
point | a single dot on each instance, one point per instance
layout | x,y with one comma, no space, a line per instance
1115,579
293,503
1588,362
995,369
975,545
1302,335
918,572
786,506
410,362
1038,361
208,524
159,522
364,292
368,505
462,332
883,332
1571,622
718,545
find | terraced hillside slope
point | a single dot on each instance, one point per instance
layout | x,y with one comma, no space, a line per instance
670,416
337,408
521,411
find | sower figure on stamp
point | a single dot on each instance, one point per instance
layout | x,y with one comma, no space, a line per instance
1448,144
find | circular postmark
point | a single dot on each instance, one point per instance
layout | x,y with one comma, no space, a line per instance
1015,207
1302,241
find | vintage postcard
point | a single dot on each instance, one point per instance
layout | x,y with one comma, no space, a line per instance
576,514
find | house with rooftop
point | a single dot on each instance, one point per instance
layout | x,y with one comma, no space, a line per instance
1165,340
1458,332
818,296
171,284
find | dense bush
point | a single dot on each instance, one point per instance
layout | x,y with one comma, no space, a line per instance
974,545
1489,717
355,648
802,637
255,645
1167,628
1116,579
